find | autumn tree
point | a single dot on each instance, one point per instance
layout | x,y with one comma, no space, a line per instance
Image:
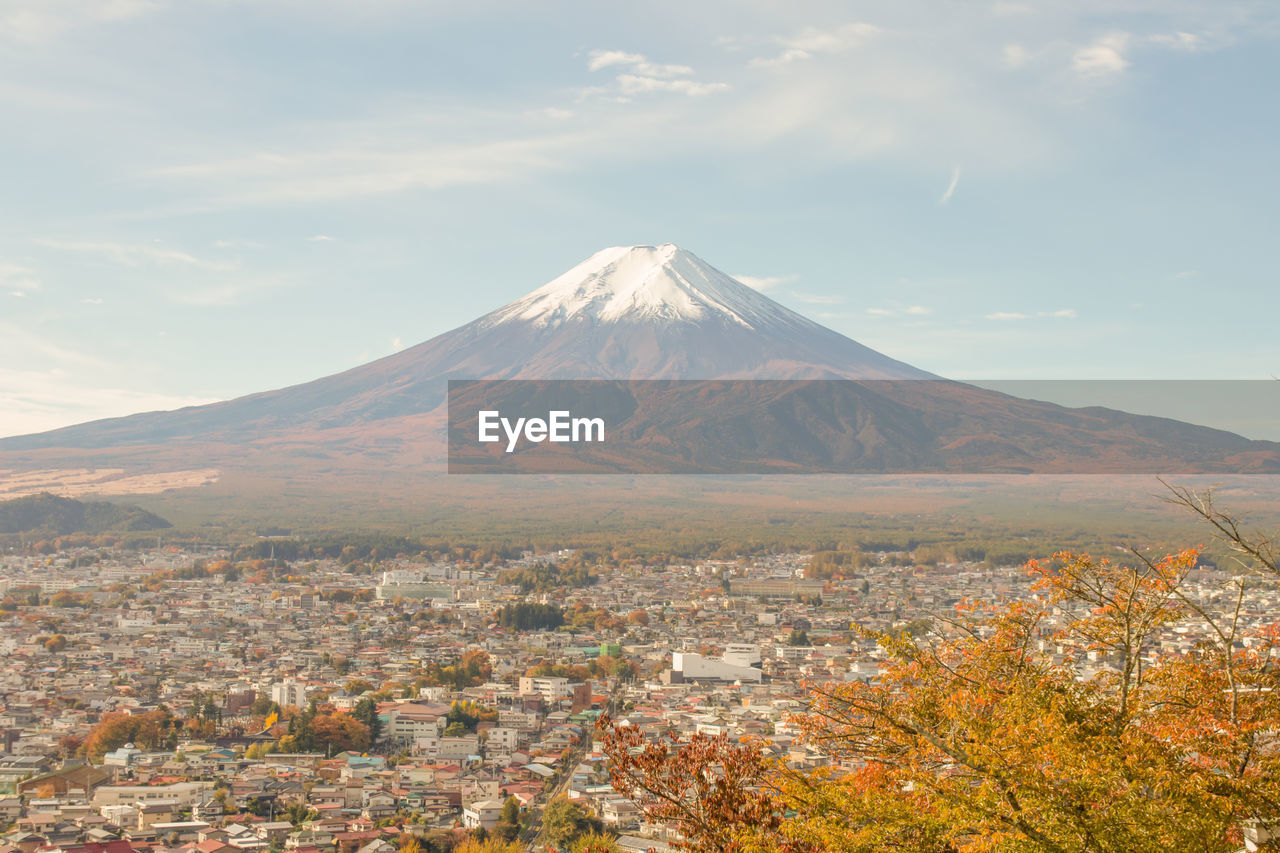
339,732
715,791
489,845
595,842
1055,725
148,731
356,686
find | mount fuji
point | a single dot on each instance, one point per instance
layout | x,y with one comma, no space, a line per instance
638,312
635,312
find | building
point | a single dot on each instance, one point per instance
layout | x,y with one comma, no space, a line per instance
549,688
289,693
482,814
691,666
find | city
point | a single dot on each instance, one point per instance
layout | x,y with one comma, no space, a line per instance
174,699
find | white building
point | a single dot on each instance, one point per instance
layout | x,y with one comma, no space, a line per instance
691,666
407,723
503,739
549,688
185,794
458,748
289,693
482,814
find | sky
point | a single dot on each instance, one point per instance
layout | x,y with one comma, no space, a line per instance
206,198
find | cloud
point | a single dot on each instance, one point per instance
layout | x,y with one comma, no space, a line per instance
812,41
396,344
346,169
553,113
857,92
1015,55
1061,314
1104,58
136,254
19,277
817,298
16,342
35,401
642,76
951,187
763,283
185,279
631,84
1179,41
93,300
36,22
910,310
635,62
320,238
1186,274
227,291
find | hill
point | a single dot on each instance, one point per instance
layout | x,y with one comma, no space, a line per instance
47,512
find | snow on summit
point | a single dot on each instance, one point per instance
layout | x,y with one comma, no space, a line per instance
644,283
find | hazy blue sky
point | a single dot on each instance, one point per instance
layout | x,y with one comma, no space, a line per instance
204,198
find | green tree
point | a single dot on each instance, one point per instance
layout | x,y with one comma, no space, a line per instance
366,711
563,821
263,706
508,826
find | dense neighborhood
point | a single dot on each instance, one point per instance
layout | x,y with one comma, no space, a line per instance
180,699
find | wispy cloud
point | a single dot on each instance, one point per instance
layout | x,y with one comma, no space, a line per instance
183,277
1104,58
951,187
767,282
34,401
908,310
640,76
137,254
35,22
1060,314
19,277
635,62
1180,41
632,84
1015,55
812,41
347,169
817,298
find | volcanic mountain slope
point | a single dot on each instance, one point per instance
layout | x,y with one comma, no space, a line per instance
638,312
641,312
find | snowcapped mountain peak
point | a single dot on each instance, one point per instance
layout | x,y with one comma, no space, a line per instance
625,284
